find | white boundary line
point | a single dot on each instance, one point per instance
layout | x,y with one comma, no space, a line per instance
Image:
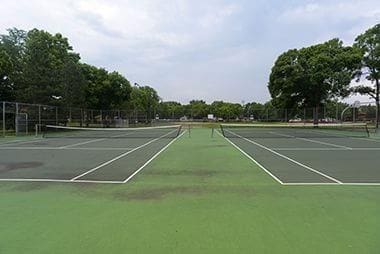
308,149
347,184
368,139
55,180
70,148
311,140
20,142
95,140
82,143
289,159
324,149
252,159
119,157
151,159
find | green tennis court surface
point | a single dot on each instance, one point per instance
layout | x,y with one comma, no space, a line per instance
84,155
193,194
298,155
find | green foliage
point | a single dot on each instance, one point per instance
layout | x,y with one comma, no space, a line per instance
6,88
197,109
11,47
227,110
170,110
144,98
369,44
104,90
45,57
313,75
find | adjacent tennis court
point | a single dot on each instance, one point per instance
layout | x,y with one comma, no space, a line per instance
68,154
299,154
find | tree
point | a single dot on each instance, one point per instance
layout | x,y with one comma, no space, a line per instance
44,59
170,110
12,48
311,76
6,88
198,109
226,110
369,44
254,109
104,90
73,87
145,99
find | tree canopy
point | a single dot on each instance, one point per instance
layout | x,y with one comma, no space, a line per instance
369,44
311,76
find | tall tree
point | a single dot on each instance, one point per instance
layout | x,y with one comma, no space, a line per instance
369,44
45,56
12,46
226,110
73,86
198,109
105,90
170,110
314,75
144,99
6,88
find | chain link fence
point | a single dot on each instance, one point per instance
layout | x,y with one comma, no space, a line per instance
365,112
23,118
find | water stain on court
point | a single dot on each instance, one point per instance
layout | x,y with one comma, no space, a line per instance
19,165
185,172
157,194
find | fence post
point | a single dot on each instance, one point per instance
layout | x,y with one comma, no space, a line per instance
81,117
4,118
101,118
56,115
286,115
16,122
39,115
304,115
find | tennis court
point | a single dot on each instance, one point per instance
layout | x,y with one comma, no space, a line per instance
307,156
65,154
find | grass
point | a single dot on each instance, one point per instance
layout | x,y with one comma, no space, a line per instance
200,196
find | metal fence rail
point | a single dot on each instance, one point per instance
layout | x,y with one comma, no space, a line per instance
22,118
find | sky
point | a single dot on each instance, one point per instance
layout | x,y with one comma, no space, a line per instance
193,49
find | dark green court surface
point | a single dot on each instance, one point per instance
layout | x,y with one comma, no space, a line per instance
314,160
107,160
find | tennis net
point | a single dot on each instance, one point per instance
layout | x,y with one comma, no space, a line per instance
53,131
294,130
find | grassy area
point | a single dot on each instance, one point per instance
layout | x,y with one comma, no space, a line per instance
200,196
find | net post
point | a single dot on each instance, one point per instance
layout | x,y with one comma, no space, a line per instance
222,130
179,130
367,130
36,129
